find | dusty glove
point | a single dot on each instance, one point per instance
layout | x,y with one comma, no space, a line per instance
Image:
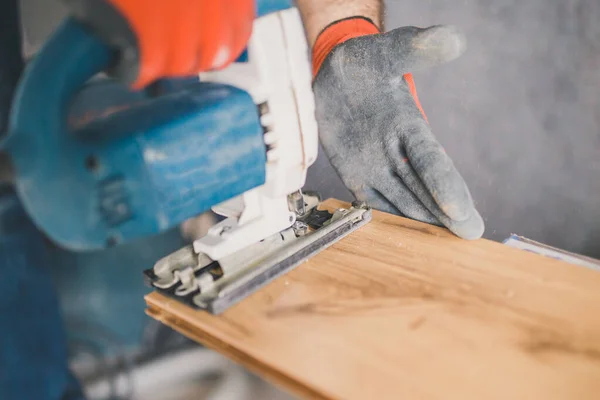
372,126
161,39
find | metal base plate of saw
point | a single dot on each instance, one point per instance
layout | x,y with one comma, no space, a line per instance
214,286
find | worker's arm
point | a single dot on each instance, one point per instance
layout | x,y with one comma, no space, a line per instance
371,123
317,14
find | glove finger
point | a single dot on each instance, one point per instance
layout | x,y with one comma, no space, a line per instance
435,170
391,190
470,228
376,200
419,48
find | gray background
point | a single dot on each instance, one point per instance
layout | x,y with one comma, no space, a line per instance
519,114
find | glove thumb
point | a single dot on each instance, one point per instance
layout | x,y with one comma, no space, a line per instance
418,48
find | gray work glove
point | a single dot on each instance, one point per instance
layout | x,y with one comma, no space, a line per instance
375,134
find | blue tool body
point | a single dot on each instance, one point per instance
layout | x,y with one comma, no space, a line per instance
101,293
141,168
264,7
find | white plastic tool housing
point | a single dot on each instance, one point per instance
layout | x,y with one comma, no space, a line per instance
278,77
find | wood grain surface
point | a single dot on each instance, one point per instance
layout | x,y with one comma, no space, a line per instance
403,310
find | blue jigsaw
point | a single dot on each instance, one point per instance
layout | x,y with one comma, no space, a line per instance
239,141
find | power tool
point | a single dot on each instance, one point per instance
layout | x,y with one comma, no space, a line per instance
239,141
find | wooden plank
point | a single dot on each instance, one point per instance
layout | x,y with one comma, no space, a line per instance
401,309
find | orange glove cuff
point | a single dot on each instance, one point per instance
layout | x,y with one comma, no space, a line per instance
336,34
346,29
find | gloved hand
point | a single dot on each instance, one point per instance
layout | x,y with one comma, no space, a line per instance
168,38
373,128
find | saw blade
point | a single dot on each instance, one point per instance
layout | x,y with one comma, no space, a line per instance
261,263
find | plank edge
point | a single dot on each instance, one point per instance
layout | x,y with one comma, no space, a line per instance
187,328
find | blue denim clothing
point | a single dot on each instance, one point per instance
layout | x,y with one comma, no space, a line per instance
33,350
33,342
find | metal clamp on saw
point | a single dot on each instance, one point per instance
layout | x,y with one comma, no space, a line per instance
240,142
198,280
